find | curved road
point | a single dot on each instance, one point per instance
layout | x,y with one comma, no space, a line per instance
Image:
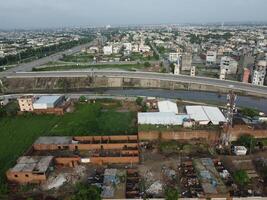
262,90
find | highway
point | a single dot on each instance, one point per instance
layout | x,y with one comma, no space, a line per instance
149,75
27,67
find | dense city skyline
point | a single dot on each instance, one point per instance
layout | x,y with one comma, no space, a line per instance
46,14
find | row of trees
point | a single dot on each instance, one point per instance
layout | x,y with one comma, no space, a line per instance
41,52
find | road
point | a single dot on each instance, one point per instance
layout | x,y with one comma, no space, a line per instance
262,90
27,67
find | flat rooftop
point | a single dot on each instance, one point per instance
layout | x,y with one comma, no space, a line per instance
37,164
54,140
47,99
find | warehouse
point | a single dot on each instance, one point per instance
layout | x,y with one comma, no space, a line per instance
161,118
205,114
46,102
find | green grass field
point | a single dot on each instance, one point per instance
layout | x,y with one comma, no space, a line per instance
19,132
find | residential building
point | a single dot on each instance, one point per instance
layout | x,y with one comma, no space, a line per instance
259,73
26,103
229,65
107,50
193,71
176,68
186,62
246,74
222,74
211,57
174,57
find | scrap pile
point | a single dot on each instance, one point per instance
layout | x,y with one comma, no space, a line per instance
190,185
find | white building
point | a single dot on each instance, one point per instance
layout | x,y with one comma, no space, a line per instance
167,106
205,114
144,48
259,73
229,65
107,50
193,71
176,68
161,118
211,57
46,102
174,57
127,46
222,74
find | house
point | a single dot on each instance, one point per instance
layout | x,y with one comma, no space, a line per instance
26,103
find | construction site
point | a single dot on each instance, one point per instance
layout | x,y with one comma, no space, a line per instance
190,149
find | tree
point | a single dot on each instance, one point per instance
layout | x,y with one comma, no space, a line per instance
82,99
172,66
139,101
241,177
147,64
171,193
250,112
84,192
247,141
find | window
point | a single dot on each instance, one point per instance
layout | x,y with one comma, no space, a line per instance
16,175
27,175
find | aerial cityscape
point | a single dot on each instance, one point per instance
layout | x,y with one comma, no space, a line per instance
142,99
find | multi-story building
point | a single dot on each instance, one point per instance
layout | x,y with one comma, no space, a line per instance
174,57
26,103
259,73
246,74
229,65
107,50
186,62
193,71
211,57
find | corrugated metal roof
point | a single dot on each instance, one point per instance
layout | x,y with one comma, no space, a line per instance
205,113
53,140
47,99
167,106
32,164
158,118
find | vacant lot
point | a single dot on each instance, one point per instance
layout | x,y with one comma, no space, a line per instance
18,133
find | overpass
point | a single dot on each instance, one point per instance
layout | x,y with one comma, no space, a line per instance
111,78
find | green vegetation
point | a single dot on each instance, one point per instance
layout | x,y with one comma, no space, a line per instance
98,66
81,57
241,177
248,141
250,112
171,193
19,132
34,53
85,192
139,101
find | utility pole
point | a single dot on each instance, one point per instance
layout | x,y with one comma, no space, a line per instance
231,109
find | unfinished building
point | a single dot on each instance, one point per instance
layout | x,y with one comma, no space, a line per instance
72,151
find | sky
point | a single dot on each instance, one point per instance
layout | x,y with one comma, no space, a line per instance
69,13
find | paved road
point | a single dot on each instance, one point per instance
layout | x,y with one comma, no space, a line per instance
148,75
26,67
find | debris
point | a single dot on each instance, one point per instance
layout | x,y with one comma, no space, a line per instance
155,189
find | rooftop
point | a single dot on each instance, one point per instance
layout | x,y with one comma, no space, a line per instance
54,140
47,99
38,164
167,106
164,118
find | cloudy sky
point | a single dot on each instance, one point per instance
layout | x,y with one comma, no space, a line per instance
62,13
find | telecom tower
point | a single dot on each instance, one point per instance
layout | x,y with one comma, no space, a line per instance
231,109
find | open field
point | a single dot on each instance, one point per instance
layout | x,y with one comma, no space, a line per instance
58,67
19,132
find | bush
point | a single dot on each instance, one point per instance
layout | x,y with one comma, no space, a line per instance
147,64
250,112
139,101
84,192
171,193
241,177
248,141
82,99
